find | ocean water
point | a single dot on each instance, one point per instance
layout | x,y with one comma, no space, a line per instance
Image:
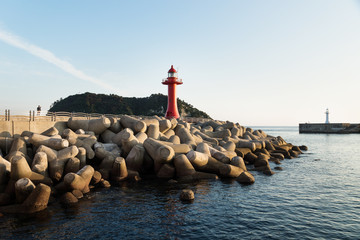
316,196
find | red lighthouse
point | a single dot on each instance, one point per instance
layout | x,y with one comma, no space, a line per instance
172,80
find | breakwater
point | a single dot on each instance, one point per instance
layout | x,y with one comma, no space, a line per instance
341,128
68,162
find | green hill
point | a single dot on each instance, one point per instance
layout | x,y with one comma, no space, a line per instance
156,104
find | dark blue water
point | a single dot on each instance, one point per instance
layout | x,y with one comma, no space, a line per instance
315,196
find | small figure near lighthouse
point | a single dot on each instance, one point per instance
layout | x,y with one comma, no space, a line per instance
327,116
172,80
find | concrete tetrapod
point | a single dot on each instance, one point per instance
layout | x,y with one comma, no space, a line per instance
133,123
58,159
119,170
218,148
212,166
197,159
250,158
174,139
73,137
219,134
229,145
40,164
80,180
197,139
50,132
206,137
153,131
18,148
204,148
135,158
242,143
223,157
262,164
6,163
236,132
5,144
259,144
23,188
82,156
183,166
169,133
230,171
115,125
262,160
106,166
178,148
72,165
246,178
159,152
128,141
38,199
269,146
141,137
241,152
3,177
35,202
21,169
187,195
239,162
107,136
174,123
107,157
164,125
18,144
149,121
97,126
85,141
96,178
185,136
51,142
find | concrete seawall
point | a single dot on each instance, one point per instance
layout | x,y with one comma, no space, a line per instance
13,128
340,128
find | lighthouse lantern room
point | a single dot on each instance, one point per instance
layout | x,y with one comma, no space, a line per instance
172,80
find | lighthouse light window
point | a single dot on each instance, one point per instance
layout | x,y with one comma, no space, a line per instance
172,74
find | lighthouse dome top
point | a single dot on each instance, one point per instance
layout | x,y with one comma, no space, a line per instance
172,70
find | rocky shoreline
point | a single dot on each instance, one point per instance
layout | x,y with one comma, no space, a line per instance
65,165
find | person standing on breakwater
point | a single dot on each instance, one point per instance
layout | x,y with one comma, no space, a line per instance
38,109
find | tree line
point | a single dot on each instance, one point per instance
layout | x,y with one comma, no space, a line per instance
155,104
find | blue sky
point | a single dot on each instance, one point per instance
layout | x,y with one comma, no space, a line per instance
268,62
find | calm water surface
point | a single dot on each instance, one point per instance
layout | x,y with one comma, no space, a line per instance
315,196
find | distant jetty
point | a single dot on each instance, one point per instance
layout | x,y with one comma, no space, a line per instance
341,128
327,127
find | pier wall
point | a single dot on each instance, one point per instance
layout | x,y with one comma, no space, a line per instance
329,128
13,128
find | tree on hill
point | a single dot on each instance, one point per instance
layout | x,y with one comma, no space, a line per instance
155,104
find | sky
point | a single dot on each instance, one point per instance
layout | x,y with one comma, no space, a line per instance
258,63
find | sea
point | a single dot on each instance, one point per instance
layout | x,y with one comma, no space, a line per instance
315,196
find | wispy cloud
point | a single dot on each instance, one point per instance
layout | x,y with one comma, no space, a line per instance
48,56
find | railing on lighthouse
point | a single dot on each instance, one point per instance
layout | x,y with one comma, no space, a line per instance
165,80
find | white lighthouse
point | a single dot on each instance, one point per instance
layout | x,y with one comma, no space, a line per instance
327,116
